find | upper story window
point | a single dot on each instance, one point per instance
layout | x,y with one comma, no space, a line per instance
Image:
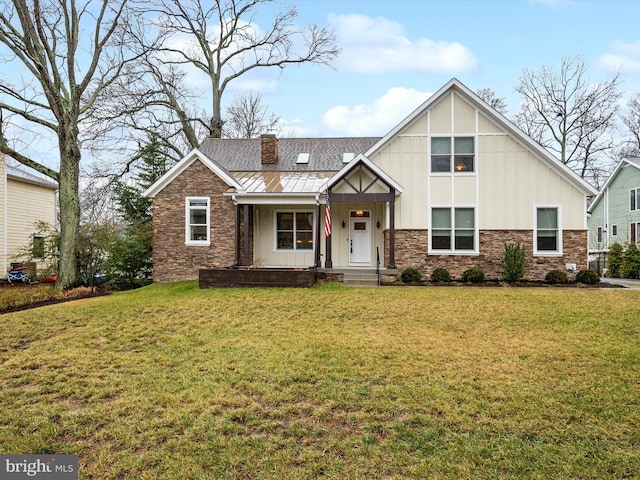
548,235
634,199
462,159
453,229
294,231
197,225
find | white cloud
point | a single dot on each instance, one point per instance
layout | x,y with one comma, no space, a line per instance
623,55
376,118
379,45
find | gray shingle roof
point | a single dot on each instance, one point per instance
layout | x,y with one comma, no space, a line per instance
244,155
19,174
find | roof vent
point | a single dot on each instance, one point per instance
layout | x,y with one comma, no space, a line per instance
347,157
303,158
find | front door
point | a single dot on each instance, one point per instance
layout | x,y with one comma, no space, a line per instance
360,238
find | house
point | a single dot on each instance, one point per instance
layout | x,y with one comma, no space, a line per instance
449,186
614,215
25,200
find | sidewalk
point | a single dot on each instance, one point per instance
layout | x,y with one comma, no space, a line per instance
627,282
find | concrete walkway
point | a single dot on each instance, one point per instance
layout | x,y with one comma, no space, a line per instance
627,282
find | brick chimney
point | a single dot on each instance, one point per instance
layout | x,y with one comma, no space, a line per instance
269,148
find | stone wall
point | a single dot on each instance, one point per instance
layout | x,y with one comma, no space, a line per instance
172,259
411,250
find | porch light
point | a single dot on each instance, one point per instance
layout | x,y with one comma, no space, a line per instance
343,224
378,224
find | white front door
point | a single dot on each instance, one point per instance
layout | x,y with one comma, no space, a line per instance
360,239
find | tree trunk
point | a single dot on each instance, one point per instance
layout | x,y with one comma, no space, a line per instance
69,210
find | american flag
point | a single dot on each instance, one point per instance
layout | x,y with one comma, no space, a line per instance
327,218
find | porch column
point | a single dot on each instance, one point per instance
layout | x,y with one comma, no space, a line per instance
318,230
392,229
245,256
237,234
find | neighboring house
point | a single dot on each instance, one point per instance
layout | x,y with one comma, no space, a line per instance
614,215
449,186
25,200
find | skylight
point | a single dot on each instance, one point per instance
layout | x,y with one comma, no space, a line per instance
347,157
303,158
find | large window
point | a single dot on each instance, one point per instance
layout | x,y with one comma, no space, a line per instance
294,231
197,221
634,199
453,229
547,232
462,160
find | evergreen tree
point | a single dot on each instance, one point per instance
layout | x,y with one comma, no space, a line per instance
130,258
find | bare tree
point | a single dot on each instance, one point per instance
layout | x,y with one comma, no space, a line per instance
64,73
495,102
223,41
632,122
247,117
569,115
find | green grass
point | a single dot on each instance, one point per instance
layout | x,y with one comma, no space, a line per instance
171,382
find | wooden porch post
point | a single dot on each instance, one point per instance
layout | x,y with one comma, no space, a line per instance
392,230
318,230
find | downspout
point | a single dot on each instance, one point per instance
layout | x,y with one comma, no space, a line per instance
5,251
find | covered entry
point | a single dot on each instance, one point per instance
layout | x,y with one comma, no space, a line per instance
362,199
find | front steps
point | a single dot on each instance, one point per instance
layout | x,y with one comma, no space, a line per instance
360,278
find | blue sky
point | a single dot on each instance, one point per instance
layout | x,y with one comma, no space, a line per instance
396,53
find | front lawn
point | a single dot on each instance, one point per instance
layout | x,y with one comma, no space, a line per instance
173,382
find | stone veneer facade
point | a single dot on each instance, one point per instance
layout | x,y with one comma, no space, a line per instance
172,259
411,251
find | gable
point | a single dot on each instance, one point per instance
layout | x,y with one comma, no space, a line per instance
456,110
624,177
194,156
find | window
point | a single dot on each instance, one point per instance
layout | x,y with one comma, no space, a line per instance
463,154
294,231
634,232
614,230
547,232
38,247
197,221
634,199
599,235
459,236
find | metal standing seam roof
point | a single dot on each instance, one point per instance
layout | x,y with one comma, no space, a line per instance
283,182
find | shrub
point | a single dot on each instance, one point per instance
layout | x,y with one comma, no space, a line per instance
556,277
440,275
514,263
630,267
588,277
411,275
614,260
473,275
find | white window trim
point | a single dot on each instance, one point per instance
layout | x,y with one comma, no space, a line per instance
636,195
453,251
547,253
295,231
452,171
187,225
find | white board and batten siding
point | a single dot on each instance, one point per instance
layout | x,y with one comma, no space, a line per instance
508,181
